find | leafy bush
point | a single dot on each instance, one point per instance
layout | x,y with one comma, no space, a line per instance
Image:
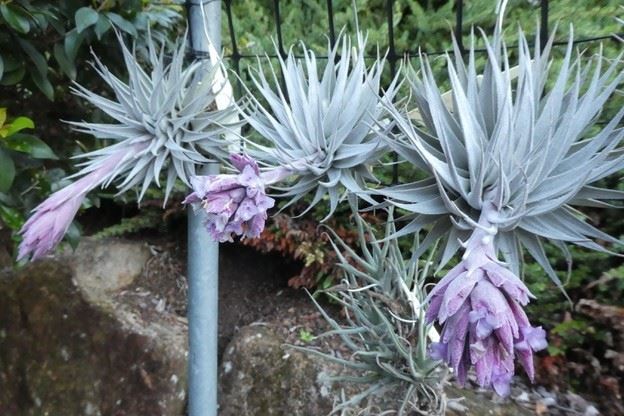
583,340
35,31
302,239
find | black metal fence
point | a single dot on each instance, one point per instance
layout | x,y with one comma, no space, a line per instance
393,57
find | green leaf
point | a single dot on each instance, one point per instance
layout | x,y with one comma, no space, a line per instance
73,235
102,26
63,61
58,24
27,143
15,18
42,82
35,56
3,116
12,217
11,63
19,124
122,23
1,66
72,43
85,17
7,171
6,199
13,77
40,20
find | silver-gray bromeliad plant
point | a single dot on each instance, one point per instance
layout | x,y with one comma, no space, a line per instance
383,296
508,162
165,117
323,124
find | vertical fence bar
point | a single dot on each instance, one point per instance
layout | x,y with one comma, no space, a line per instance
280,43
459,25
330,19
203,253
392,59
392,56
235,57
544,23
278,28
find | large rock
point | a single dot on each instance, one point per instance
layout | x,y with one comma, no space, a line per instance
259,377
70,346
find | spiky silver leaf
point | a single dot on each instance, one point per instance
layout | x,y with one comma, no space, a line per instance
515,143
322,122
385,330
165,115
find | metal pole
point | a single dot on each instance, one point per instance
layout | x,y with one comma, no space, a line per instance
203,253
203,305
204,16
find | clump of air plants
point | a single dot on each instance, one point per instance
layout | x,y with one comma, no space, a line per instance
383,297
321,130
509,161
167,117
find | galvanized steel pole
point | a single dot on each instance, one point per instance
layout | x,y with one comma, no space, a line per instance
203,301
203,253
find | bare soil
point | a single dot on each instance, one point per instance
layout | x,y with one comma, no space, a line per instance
252,287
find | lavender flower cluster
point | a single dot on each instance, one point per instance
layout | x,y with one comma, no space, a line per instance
479,302
236,204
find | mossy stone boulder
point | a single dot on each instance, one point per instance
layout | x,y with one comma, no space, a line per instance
69,347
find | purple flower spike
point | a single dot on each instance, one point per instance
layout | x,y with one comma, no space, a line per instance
236,204
52,218
480,304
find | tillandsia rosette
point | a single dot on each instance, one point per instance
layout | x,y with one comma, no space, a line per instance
322,123
509,159
167,117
